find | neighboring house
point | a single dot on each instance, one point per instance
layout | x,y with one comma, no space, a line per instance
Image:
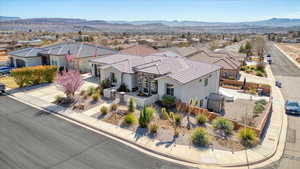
139,50
230,66
160,74
57,54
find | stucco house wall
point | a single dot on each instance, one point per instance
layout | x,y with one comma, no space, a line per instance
105,74
30,61
195,89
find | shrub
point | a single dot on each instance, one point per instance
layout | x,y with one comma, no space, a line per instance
27,76
113,107
146,116
247,136
177,118
258,73
131,105
243,68
252,91
261,101
168,101
153,128
200,137
82,92
201,119
106,83
260,67
91,90
130,119
58,99
95,96
223,125
123,88
258,108
165,114
104,110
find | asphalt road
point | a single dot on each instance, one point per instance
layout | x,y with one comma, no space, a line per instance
286,72
33,139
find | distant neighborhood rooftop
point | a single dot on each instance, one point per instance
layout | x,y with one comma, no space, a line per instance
139,50
78,50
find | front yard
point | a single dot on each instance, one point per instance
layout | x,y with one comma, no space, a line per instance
9,81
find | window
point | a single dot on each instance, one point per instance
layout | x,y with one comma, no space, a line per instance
170,89
206,82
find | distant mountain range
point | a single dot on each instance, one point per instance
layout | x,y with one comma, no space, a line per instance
17,23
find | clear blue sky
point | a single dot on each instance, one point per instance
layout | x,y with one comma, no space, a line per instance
200,10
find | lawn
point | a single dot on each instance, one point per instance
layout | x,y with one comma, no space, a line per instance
9,82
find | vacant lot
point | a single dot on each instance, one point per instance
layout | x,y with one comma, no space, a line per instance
292,49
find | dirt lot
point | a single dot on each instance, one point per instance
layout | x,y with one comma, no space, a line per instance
292,49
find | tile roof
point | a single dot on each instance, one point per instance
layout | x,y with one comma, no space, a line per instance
179,68
139,50
27,52
78,50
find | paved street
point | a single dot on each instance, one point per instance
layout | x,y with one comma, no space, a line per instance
33,139
286,72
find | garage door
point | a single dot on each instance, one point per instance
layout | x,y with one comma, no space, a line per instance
20,63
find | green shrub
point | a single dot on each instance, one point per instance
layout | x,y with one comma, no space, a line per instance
258,108
165,114
243,68
91,90
201,119
177,118
58,99
113,107
223,125
106,83
247,136
253,91
82,92
258,73
104,110
261,101
200,137
153,128
130,119
96,96
131,105
27,76
123,88
146,116
168,101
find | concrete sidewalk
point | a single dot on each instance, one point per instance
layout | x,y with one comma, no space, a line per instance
262,154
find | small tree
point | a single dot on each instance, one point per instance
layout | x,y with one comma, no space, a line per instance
223,125
131,105
192,103
69,81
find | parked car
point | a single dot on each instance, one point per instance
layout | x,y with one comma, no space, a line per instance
278,84
2,87
5,70
292,107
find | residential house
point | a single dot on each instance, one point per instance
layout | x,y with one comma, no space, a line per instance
139,50
57,54
159,75
230,65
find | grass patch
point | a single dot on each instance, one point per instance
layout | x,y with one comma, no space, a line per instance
9,81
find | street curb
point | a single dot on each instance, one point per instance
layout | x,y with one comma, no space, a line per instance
175,159
288,56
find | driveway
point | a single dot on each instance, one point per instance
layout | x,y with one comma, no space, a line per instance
33,139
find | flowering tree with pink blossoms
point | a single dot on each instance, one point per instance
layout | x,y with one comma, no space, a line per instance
69,81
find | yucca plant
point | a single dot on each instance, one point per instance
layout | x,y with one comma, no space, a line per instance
131,105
